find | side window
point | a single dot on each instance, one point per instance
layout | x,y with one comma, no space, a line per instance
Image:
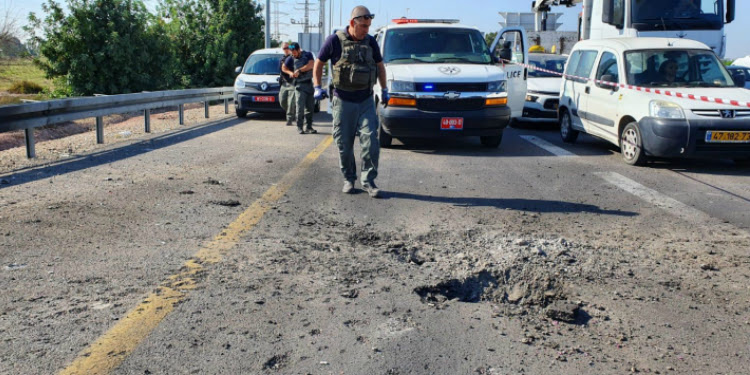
607,66
618,13
573,60
585,65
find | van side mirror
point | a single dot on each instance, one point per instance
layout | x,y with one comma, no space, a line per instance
739,79
730,11
608,14
609,78
238,69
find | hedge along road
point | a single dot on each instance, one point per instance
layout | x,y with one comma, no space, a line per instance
452,272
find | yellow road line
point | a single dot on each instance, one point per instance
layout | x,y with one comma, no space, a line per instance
120,341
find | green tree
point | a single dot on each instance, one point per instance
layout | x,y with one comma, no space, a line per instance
212,37
103,46
490,37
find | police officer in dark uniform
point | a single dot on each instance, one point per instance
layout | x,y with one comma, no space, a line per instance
300,65
286,92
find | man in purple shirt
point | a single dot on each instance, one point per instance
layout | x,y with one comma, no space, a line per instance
356,64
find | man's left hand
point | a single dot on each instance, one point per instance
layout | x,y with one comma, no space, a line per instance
384,96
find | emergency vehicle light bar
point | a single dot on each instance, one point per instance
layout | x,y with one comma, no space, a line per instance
404,20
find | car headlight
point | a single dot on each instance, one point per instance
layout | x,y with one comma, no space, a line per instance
240,84
662,109
497,86
400,86
531,98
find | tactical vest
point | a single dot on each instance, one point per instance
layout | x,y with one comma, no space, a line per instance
303,59
285,78
356,69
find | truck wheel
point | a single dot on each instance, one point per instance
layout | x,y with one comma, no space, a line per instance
631,145
385,139
567,133
241,113
491,141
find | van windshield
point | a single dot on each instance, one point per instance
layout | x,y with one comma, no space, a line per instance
263,64
676,68
555,63
432,45
677,15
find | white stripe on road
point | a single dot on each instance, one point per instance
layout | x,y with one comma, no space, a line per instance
541,143
672,206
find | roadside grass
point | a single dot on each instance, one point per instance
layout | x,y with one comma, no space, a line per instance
13,71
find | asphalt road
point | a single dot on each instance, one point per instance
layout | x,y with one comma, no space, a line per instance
239,229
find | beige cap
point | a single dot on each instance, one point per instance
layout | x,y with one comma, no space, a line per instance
359,11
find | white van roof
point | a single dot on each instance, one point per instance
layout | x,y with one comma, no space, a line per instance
629,44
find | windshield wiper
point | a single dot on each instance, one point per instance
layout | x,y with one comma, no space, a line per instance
407,58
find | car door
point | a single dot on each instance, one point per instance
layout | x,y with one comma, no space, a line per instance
514,65
602,105
575,86
582,83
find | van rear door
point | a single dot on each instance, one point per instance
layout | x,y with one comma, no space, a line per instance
512,49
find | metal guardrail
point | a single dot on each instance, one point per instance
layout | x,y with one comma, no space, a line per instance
26,117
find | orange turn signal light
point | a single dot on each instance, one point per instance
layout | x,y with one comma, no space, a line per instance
404,102
492,102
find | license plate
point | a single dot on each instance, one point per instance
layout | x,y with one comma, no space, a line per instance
264,99
452,123
727,137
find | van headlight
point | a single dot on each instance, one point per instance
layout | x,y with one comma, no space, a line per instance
662,109
497,86
400,86
240,84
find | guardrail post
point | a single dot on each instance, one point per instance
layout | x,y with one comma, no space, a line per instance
205,104
30,150
99,130
226,106
147,119
181,109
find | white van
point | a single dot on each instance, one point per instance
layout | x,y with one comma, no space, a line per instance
656,123
256,88
443,81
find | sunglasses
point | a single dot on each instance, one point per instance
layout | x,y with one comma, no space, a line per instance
366,17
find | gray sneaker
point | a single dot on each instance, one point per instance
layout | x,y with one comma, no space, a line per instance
371,189
348,187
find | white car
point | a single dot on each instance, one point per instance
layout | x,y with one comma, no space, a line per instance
543,92
444,81
256,88
655,123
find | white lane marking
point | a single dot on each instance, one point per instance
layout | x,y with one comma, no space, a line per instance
672,206
541,143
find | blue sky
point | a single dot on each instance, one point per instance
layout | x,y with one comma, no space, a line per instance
480,13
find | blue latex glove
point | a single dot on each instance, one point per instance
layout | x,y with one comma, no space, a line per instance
384,96
320,94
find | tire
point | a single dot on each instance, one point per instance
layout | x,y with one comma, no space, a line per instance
631,145
516,123
567,133
491,141
385,139
316,109
241,113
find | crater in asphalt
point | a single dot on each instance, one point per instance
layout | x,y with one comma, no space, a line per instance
472,289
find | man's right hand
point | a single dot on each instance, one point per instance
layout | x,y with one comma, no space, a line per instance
320,94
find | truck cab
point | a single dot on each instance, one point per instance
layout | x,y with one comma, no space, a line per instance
444,81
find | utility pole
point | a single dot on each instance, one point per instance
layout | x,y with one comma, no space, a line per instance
277,34
268,23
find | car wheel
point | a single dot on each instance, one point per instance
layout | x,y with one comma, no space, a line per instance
567,133
241,113
316,109
491,141
631,145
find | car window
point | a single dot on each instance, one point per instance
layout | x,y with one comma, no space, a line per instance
263,64
573,60
675,68
586,64
555,63
607,66
433,45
